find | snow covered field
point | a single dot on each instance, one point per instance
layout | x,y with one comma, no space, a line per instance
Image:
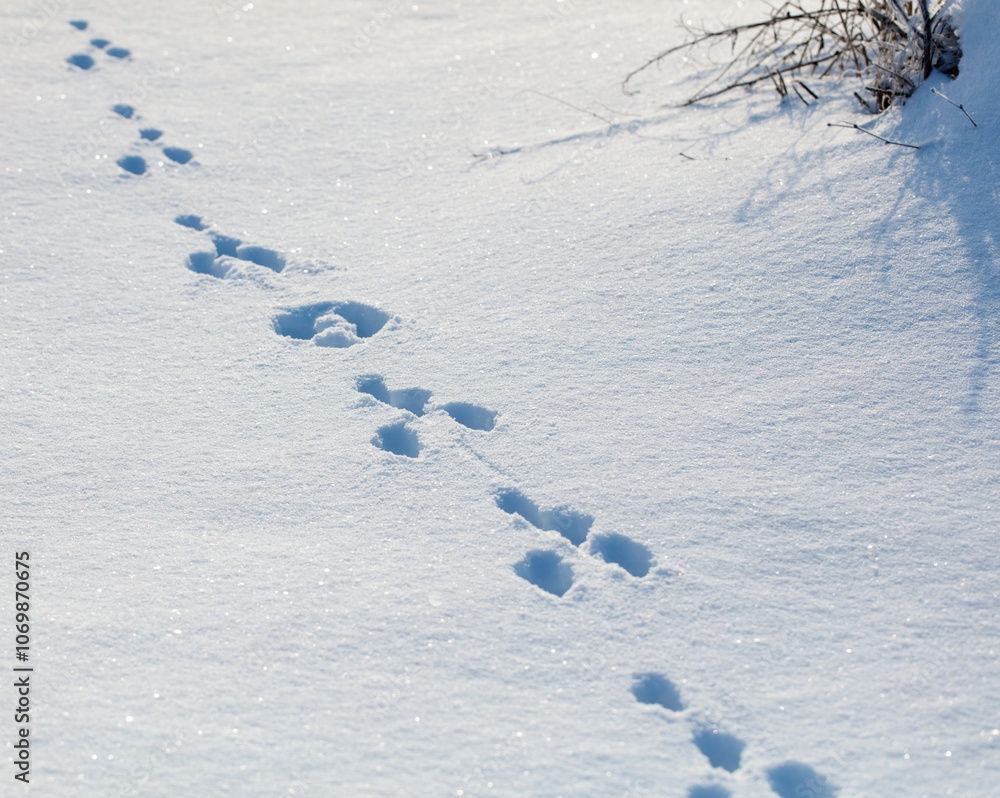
654,456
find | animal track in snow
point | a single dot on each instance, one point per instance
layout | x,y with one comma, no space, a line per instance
633,557
175,154
575,527
331,324
722,750
654,688
546,570
133,164
471,416
194,222
225,245
130,163
262,256
180,155
85,61
207,263
221,266
571,525
725,751
795,780
411,399
81,60
218,263
415,401
620,550
398,439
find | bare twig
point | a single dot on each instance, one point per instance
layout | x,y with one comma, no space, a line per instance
903,78
617,113
496,152
820,37
811,92
708,37
873,135
959,106
574,107
730,87
926,19
864,103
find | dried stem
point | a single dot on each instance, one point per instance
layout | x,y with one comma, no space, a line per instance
959,106
873,135
878,40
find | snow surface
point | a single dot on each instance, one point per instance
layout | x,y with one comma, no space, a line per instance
353,465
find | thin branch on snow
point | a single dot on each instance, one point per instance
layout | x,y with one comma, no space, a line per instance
873,135
890,44
959,106
569,104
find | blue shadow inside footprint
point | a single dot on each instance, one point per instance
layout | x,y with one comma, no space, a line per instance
300,323
262,257
100,44
411,399
79,24
117,52
398,439
620,550
471,416
794,780
225,245
652,688
151,134
709,791
206,263
366,319
546,569
123,110
234,248
571,525
133,164
178,154
82,61
723,750
188,220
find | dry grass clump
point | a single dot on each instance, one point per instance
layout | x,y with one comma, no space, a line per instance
891,45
